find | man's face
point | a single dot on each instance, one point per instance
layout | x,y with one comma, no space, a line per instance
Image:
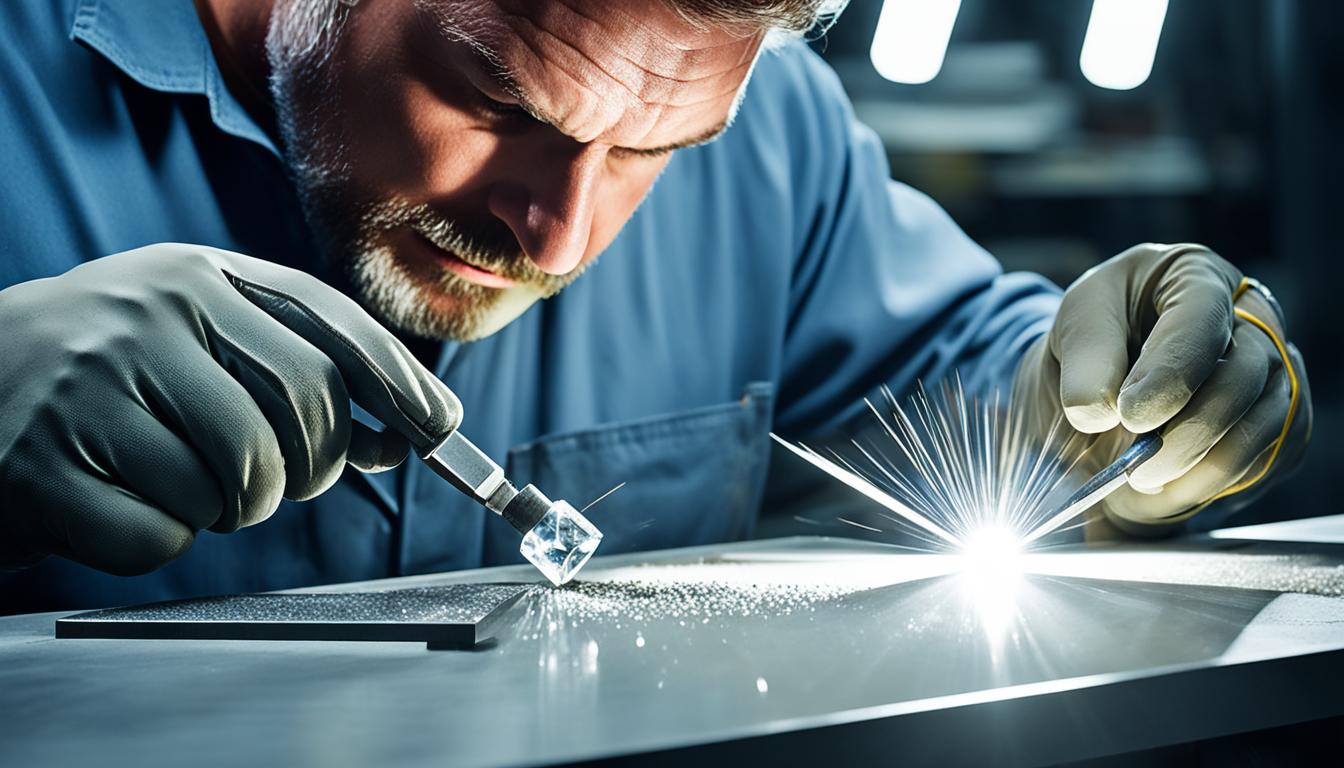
461,159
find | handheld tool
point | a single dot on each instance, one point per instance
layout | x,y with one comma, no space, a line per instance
1102,484
557,539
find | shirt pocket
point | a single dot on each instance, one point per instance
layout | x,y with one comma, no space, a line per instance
692,477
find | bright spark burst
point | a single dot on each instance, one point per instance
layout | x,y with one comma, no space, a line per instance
992,551
955,471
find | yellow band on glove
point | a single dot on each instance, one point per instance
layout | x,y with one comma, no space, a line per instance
1294,387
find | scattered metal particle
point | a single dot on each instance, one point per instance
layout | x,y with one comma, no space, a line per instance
693,595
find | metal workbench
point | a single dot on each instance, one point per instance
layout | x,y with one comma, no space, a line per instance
791,650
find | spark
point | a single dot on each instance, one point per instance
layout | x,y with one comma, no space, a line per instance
957,472
847,521
599,498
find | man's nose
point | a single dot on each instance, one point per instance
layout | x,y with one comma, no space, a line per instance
549,206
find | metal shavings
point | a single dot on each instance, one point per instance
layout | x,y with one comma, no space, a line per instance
691,595
642,602
1303,573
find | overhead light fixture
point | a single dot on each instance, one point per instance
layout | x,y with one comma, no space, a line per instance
911,39
1121,42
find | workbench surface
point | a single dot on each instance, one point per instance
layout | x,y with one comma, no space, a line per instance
806,649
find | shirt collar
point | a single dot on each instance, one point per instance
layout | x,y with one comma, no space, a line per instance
161,45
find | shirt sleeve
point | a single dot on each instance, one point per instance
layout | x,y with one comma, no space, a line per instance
885,288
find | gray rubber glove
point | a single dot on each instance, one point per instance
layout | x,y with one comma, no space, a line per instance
158,392
1152,339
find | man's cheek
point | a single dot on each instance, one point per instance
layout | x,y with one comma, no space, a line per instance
401,131
626,191
387,141
412,147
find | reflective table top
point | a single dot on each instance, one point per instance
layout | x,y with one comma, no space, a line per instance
780,648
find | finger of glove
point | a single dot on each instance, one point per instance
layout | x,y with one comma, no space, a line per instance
297,388
109,528
1303,417
1193,299
372,450
380,373
1234,386
154,463
194,396
1226,464
1089,340
1241,449
1035,394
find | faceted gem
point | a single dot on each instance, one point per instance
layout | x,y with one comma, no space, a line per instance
561,542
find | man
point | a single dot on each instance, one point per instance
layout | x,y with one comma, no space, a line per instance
448,164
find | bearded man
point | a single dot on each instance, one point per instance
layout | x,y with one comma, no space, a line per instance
236,234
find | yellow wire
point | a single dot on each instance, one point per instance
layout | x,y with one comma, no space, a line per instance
1242,288
1294,388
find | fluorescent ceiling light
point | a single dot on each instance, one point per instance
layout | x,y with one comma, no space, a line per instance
911,39
1121,42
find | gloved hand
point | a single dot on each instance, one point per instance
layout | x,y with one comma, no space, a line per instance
1151,340
173,388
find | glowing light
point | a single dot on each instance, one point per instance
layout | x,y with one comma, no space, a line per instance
1121,42
911,39
762,686
993,552
991,578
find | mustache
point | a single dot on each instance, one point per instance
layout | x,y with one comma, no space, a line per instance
485,243
493,248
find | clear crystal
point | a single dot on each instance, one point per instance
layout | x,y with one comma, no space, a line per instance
561,542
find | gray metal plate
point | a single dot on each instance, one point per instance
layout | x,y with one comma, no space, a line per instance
445,617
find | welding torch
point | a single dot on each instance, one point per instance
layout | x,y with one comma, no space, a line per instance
1109,480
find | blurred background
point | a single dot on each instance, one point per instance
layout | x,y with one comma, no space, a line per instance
1231,139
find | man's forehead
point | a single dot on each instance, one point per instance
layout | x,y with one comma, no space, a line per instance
632,73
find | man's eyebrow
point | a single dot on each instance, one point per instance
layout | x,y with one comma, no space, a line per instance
492,68
694,141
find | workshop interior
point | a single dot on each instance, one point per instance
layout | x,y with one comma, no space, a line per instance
713,382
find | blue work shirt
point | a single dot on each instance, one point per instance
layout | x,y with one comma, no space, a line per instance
770,281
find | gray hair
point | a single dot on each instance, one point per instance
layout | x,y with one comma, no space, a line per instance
783,18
